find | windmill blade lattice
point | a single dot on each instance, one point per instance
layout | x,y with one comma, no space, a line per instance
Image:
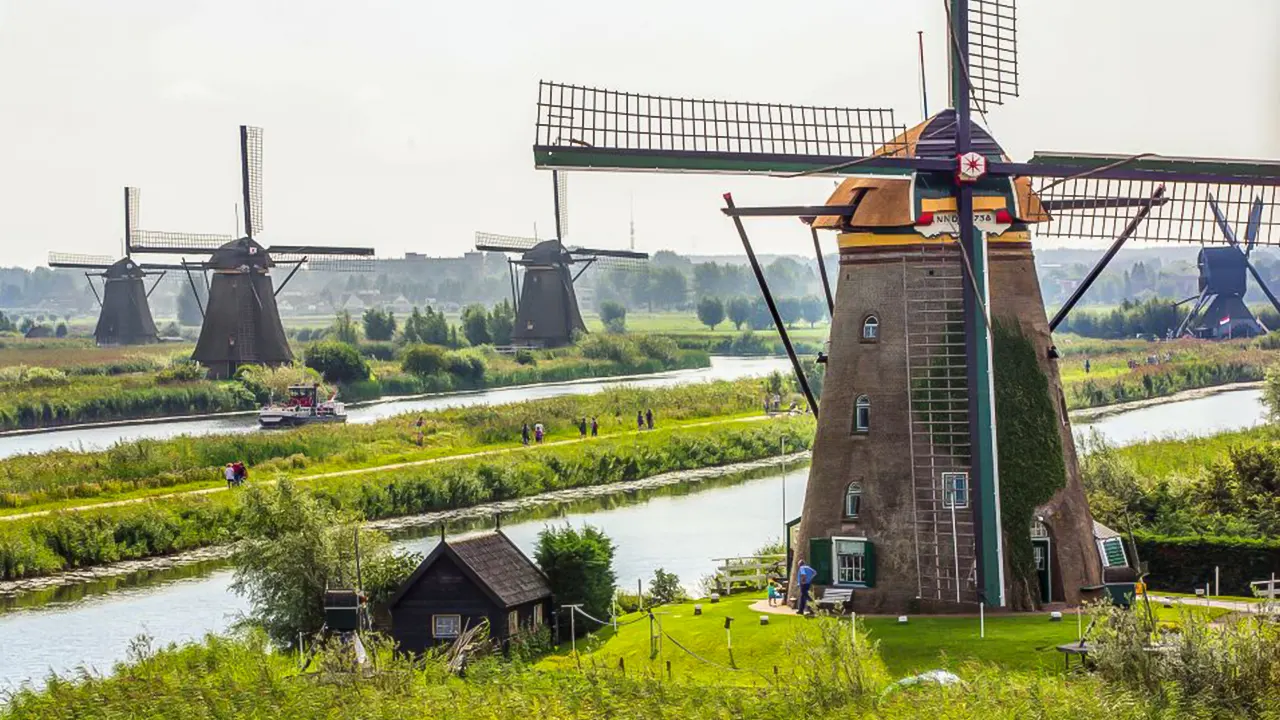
993,52
562,205
177,243
573,121
76,260
1186,214
325,262
251,171
1255,224
492,242
132,215
607,262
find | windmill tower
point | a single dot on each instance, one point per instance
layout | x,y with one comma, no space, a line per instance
546,304
125,314
241,320
918,494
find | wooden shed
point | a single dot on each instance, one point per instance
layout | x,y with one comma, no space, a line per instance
465,582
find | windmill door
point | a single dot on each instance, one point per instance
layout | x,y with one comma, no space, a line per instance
1040,553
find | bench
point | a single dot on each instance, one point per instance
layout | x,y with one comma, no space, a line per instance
835,598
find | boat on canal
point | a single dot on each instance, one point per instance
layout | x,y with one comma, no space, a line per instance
303,407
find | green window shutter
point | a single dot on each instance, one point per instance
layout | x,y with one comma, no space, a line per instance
1114,549
869,558
820,560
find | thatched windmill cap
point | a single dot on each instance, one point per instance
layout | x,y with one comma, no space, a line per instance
888,201
239,253
124,269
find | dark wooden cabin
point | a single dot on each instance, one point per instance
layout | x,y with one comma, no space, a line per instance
465,582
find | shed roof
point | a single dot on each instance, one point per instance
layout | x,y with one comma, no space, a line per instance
493,562
1103,532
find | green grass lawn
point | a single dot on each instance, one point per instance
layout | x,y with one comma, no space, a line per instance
687,323
1186,457
1017,642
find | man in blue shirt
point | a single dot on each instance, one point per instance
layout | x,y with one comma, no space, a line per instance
805,575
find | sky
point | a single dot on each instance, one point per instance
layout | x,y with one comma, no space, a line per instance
408,125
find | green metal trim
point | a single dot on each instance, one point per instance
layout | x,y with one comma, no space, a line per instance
707,162
820,560
1238,169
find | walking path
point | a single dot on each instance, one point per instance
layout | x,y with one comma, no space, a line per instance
374,469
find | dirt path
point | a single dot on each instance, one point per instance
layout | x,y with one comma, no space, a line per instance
359,471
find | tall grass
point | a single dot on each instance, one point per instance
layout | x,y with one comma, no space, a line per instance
28,480
46,544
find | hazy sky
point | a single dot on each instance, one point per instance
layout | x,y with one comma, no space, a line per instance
408,125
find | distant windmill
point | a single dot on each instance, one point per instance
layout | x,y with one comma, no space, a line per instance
1219,310
241,321
547,311
125,315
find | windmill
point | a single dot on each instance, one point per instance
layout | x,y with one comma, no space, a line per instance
1219,310
546,305
241,321
125,314
934,228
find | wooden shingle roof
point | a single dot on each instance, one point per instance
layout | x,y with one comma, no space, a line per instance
503,567
494,563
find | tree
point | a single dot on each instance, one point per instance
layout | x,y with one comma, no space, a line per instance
336,361
761,318
790,309
669,287
739,311
344,328
423,360
579,566
502,320
665,588
475,324
813,309
379,324
710,311
61,330
293,548
613,315
6,325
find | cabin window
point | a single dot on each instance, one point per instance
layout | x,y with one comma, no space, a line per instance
537,615
850,560
852,500
1039,530
955,490
1112,551
862,414
513,622
871,329
446,626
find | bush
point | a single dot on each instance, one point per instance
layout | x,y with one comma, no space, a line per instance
336,361
611,312
383,351
379,324
502,320
665,588
1184,563
344,328
657,347
423,360
579,565
608,347
465,365
475,325
749,343
524,357
180,371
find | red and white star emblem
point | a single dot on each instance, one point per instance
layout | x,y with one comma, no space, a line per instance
970,167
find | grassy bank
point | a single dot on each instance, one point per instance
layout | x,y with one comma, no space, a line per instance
189,462
49,383
790,668
50,543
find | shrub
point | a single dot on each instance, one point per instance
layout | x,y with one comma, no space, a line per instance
665,588
384,351
475,325
336,361
502,320
749,343
579,566
657,347
524,357
423,360
344,328
379,324
465,365
181,371
61,330
611,311
608,347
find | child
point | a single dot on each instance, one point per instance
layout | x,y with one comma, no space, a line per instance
774,593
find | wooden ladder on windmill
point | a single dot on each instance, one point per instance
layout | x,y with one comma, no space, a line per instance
246,322
933,292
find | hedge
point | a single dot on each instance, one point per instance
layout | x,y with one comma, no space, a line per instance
1183,563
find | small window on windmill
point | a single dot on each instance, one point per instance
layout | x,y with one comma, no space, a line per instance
871,329
342,610
955,490
862,414
852,500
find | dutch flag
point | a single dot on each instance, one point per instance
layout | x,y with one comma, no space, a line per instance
1224,320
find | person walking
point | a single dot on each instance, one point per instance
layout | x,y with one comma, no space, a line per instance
524,434
805,575
1086,366
773,593
639,420
648,418
595,426
538,433
582,429
418,426
229,473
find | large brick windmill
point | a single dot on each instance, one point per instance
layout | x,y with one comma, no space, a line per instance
241,320
547,311
920,493
125,316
